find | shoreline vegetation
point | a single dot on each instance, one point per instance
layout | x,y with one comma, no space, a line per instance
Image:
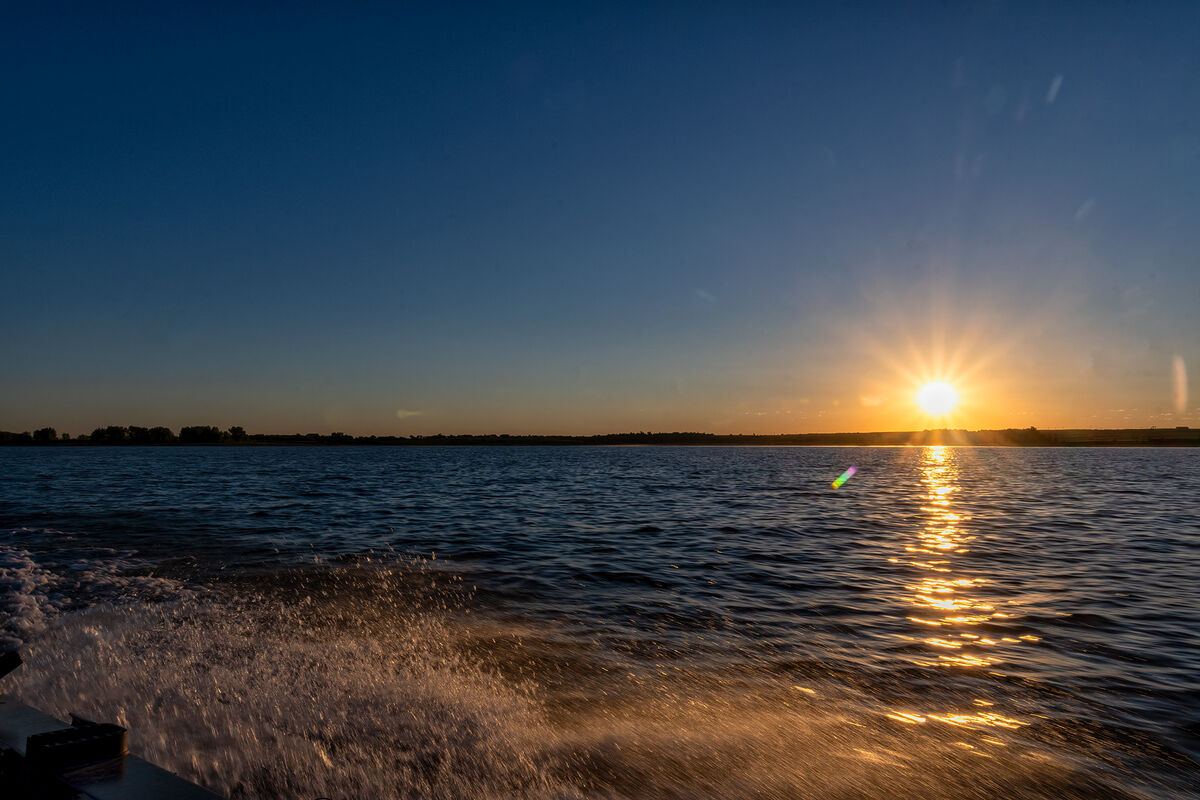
117,435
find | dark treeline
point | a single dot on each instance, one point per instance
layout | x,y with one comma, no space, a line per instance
119,434
1011,437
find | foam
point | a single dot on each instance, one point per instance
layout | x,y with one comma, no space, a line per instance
257,699
362,681
38,588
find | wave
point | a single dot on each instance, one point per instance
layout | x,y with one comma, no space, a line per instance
378,680
255,698
36,589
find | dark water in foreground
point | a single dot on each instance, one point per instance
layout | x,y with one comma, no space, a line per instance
618,623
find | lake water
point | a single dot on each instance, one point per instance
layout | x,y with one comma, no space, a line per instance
618,622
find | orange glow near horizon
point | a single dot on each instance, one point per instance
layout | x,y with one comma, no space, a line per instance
942,375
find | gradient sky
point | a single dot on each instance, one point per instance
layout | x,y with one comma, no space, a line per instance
752,218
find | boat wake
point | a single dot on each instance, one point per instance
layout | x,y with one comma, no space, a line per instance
342,682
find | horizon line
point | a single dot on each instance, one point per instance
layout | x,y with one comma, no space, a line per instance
210,434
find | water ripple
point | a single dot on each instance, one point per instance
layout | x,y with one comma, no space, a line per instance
677,621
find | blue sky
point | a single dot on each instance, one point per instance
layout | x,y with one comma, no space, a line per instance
765,218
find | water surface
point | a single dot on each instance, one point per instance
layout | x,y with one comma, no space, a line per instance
619,622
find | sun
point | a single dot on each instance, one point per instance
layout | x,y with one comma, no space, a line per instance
937,398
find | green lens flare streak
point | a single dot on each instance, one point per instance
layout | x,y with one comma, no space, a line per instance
845,476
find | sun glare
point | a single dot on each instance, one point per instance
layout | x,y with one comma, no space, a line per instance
937,398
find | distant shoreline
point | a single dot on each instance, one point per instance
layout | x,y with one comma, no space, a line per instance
116,436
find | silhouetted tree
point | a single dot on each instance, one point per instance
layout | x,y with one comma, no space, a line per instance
113,434
159,434
200,434
45,435
237,433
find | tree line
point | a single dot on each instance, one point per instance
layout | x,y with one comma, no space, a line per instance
236,435
132,434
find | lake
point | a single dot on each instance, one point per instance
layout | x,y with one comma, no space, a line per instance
579,622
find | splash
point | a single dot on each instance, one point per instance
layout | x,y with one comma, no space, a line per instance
257,698
34,591
361,683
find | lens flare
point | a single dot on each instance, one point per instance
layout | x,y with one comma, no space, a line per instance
845,476
1179,383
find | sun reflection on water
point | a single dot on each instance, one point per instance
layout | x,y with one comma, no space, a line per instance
942,598
947,603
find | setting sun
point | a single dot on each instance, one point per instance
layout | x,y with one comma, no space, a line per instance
937,398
